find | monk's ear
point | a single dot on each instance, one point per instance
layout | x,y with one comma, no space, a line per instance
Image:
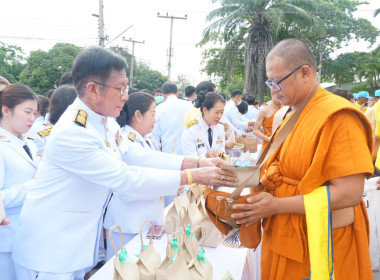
305,72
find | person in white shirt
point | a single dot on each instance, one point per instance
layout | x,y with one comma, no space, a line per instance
252,112
190,93
170,116
205,135
137,122
18,163
60,224
40,122
232,113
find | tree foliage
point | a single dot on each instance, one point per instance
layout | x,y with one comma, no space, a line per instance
352,67
251,27
44,69
12,62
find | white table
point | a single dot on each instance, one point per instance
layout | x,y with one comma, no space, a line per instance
222,259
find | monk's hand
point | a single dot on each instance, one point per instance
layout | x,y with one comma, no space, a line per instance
214,176
257,207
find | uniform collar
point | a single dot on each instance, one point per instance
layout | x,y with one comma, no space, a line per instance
138,135
171,97
93,117
203,124
5,134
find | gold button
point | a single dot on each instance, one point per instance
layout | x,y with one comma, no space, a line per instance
103,121
114,150
107,129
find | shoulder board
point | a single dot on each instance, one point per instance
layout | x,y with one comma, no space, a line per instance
30,138
223,123
48,124
45,132
132,136
191,123
81,118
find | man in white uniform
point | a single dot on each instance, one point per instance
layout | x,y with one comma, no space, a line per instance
170,116
61,220
232,114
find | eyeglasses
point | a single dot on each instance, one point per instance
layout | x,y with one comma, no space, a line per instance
276,85
123,89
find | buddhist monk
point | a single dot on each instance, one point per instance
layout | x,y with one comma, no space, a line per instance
265,120
329,145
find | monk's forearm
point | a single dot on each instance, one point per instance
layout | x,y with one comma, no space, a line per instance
259,134
290,205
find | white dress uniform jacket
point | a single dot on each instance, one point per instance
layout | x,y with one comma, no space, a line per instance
61,220
170,116
233,116
132,210
195,138
17,171
252,113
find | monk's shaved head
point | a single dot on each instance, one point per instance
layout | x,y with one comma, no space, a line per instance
294,52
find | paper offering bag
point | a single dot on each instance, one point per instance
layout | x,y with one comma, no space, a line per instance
149,258
124,269
200,268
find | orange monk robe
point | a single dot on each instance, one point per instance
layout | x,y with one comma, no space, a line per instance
330,140
267,128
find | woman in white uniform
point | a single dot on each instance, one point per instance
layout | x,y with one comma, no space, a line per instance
205,135
137,122
17,163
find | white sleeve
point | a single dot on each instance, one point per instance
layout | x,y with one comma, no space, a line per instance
235,119
16,194
134,154
81,153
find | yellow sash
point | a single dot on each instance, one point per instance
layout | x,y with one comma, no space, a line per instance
319,233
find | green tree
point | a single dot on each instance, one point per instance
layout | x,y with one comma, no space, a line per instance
146,78
252,27
44,69
12,62
181,82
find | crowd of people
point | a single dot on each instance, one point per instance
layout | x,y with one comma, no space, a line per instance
94,153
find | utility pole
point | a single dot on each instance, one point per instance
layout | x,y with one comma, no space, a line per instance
100,24
172,18
132,58
320,50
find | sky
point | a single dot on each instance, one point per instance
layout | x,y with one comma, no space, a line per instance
40,24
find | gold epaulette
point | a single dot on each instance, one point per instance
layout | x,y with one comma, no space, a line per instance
191,123
81,118
45,132
48,124
132,136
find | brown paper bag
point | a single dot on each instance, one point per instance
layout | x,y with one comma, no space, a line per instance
179,202
124,269
200,268
199,217
174,265
149,258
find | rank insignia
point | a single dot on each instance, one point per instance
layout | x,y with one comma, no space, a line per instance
202,145
219,138
118,138
191,123
45,132
132,136
81,118
199,140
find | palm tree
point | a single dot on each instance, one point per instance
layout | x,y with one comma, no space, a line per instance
252,25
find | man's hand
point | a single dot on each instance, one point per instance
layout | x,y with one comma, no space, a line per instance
213,176
210,162
213,153
259,206
4,222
